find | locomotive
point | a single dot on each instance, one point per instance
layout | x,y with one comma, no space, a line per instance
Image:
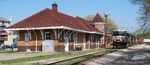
121,39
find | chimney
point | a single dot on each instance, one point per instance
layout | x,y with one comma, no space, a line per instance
54,7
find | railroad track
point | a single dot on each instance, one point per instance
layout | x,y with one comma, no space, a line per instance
85,56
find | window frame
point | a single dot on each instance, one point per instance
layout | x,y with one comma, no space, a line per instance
45,36
28,35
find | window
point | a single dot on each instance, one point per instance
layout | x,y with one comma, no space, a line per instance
92,39
17,34
27,37
84,38
75,38
47,35
66,38
119,33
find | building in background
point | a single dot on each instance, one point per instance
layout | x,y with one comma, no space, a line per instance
6,37
101,24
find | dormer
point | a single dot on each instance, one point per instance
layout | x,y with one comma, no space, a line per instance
97,19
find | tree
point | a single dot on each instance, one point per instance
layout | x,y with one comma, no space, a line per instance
110,22
137,32
144,11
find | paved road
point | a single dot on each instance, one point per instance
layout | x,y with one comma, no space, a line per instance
135,55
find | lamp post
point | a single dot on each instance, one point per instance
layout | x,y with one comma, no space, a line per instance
106,39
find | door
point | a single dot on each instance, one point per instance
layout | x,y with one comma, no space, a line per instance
47,46
47,43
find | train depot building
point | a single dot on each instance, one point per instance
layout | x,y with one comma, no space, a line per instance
50,30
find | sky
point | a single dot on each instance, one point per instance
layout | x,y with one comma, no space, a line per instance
122,12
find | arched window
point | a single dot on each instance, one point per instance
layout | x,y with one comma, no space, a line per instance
75,38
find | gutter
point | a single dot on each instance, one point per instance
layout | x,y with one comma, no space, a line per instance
53,27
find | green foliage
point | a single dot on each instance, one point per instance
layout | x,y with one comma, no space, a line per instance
112,25
144,11
21,60
57,56
138,31
145,35
7,52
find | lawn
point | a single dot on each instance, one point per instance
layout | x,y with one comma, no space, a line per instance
7,51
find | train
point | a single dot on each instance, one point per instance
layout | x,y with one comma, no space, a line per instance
122,39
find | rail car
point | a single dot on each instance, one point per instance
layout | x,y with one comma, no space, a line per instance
122,39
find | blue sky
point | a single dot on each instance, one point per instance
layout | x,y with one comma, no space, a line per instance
122,12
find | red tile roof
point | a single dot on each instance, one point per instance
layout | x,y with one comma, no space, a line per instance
49,18
97,18
87,24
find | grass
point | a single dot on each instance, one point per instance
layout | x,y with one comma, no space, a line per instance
33,58
7,52
59,55
73,61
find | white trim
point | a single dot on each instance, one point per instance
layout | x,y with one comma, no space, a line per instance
55,32
60,34
119,30
75,39
53,27
66,38
41,31
98,23
70,35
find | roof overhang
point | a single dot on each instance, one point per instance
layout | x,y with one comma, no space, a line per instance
98,23
52,27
